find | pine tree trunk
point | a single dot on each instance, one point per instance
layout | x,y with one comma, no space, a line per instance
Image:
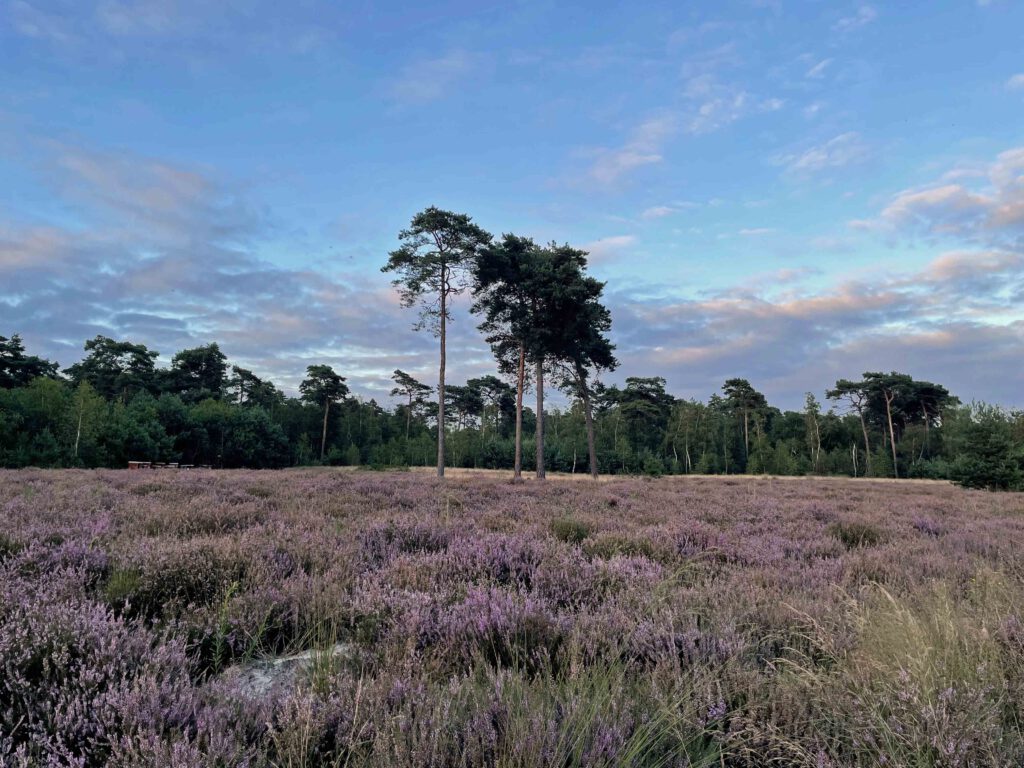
323,436
408,419
78,433
746,437
589,417
540,419
440,386
817,450
520,385
927,434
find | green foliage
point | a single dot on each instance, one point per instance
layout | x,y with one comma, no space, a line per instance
991,458
352,457
18,369
570,530
9,546
854,534
116,407
121,587
653,465
609,545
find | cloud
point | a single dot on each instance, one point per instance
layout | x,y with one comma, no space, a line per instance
864,15
756,231
427,80
661,211
608,249
958,319
139,17
167,255
991,211
657,212
194,34
642,148
958,315
168,258
1016,83
32,22
818,70
715,105
705,103
811,110
838,152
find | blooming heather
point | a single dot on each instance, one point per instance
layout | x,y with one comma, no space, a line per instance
670,622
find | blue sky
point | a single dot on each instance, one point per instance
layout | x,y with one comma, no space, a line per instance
786,191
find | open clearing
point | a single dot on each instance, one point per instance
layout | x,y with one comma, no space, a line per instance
472,622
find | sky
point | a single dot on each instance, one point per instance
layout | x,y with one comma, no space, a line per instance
789,191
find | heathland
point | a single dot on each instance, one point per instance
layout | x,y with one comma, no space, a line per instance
158,617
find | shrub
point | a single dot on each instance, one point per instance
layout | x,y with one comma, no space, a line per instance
653,465
609,545
121,586
9,546
570,530
855,534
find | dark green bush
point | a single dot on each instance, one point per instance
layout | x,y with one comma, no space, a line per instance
570,530
855,534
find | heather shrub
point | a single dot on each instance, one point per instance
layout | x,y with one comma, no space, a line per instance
928,526
121,586
68,665
8,546
608,545
382,542
855,534
163,580
569,530
503,629
692,622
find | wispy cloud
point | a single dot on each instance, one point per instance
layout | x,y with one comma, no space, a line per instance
140,17
943,322
838,152
427,80
958,313
29,21
863,16
194,33
1016,83
657,212
991,211
714,104
168,259
818,70
608,249
644,147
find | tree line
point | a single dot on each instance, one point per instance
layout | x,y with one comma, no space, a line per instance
545,322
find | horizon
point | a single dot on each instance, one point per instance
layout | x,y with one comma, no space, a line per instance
790,193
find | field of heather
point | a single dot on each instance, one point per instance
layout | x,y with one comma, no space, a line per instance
316,617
